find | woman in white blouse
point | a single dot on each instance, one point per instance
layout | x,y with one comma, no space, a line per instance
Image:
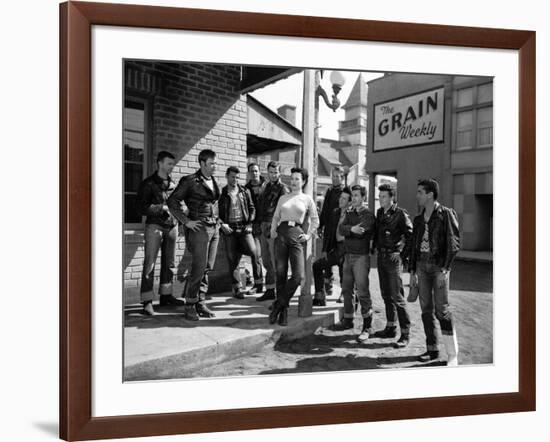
287,228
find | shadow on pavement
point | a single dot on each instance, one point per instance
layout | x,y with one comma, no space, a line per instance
245,314
328,363
472,276
323,344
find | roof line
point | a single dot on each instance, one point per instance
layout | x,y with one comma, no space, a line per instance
275,114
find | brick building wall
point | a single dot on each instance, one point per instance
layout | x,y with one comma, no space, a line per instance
190,107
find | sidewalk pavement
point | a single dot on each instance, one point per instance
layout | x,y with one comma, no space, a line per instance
156,347
475,256
167,346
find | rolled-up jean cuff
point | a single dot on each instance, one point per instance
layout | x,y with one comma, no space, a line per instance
146,296
348,315
165,289
432,347
270,286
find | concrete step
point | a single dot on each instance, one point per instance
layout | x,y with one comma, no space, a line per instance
156,347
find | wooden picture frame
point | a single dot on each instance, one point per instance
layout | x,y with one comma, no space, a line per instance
76,421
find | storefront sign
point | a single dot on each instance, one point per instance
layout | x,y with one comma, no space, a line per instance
409,121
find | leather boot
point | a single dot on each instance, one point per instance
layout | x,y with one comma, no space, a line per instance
274,314
430,355
319,299
238,294
190,312
283,316
366,331
403,341
388,332
258,288
451,346
204,311
267,296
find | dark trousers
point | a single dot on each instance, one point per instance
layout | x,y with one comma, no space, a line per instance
268,255
322,269
288,248
237,245
203,246
433,299
391,286
158,238
356,273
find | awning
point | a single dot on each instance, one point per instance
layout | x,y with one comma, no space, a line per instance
255,77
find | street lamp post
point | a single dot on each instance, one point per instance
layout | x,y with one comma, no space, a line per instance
308,159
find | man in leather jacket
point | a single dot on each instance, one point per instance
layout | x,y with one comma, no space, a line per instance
160,233
357,229
237,212
333,249
435,242
255,186
330,203
267,203
392,232
200,192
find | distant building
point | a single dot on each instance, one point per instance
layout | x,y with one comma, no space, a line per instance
435,126
274,136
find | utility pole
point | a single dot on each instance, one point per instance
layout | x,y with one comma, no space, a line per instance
308,160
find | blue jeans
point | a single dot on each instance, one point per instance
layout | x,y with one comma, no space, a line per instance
433,299
391,286
158,238
236,245
268,255
288,248
356,273
203,246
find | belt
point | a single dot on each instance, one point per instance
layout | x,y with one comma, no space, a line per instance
238,227
384,250
291,224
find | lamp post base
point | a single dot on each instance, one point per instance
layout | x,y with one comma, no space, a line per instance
305,305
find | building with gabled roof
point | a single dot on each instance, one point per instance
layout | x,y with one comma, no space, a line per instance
348,151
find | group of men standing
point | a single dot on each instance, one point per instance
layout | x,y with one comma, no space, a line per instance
350,231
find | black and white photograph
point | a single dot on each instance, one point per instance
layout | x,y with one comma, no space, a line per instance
282,220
